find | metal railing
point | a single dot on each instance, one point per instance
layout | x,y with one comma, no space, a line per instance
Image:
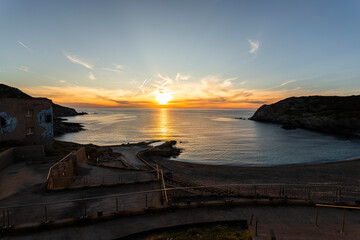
110,179
181,196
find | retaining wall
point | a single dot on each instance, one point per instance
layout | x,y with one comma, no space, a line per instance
28,154
62,173
6,158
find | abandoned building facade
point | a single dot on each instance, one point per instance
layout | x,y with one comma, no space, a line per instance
27,120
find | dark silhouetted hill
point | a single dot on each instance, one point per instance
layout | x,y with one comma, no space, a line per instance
329,114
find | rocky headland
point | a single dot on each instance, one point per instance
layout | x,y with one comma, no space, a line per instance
328,114
61,126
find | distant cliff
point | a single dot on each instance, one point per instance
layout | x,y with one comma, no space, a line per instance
60,127
329,114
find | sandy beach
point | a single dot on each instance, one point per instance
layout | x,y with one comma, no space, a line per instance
342,173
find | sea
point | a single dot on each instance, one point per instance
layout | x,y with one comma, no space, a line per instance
213,136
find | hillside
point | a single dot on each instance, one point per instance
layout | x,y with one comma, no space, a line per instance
329,114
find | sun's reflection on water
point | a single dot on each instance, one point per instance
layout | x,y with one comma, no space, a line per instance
163,123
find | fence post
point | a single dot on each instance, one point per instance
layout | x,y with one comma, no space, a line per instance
157,172
46,215
255,191
251,218
309,193
164,187
256,223
339,195
317,217
343,222
4,224
8,218
146,201
117,206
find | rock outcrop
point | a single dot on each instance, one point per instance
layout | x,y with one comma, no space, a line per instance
329,114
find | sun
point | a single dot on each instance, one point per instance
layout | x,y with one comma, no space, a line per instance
163,97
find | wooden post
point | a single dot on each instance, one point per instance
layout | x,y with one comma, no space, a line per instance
146,201
256,223
4,224
164,187
317,217
339,195
309,193
251,218
117,206
343,222
46,217
8,218
157,172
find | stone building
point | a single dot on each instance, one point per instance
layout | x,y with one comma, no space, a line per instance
28,120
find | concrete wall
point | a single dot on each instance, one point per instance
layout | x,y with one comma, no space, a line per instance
20,115
6,158
62,174
31,154
81,157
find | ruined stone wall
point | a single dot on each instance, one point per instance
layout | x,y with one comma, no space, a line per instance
27,120
62,174
30,153
17,154
6,158
81,157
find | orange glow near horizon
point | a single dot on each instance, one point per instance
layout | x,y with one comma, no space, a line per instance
207,94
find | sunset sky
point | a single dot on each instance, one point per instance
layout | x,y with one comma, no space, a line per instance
199,54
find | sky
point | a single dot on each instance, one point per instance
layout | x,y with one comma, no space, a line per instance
179,54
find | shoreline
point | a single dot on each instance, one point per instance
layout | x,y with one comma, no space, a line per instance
339,173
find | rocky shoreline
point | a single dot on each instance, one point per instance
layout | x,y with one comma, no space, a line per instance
61,126
328,114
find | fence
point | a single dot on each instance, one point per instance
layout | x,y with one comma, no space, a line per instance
102,180
178,196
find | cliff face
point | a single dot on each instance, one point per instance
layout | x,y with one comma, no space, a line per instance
330,114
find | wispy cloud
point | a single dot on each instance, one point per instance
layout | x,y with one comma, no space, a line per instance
242,82
91,76
112,70
254,46
77,60
118,66
62,81
286,83
23,68
25,46
142,86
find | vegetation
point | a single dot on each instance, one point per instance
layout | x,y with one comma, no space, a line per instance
215,233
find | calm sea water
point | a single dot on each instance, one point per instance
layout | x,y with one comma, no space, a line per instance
213,136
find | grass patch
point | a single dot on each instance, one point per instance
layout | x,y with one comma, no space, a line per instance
215,233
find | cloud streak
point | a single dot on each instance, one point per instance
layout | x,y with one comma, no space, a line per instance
25,46
77,60
23,68
254,46
286,83
111,70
